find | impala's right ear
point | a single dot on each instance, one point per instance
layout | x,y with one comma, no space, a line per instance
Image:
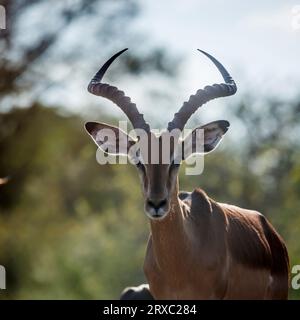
110,139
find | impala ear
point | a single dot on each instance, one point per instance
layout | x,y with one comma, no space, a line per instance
110,139
206,139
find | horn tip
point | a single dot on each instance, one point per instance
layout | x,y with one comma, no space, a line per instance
204,52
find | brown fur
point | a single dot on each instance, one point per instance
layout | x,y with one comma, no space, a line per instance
209,250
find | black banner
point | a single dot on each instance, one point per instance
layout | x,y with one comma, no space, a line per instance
91,310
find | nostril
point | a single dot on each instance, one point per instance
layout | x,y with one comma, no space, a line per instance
162,203
150,203
156,204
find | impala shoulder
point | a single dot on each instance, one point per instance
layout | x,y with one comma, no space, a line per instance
200,202
229,208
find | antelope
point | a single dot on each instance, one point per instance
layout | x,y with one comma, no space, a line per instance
198,248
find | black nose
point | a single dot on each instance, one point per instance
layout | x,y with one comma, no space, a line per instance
157,203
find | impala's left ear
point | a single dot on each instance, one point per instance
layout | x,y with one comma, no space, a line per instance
205,140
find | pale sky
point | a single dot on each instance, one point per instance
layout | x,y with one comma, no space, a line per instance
257,41
256,37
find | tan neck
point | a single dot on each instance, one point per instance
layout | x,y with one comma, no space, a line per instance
168,235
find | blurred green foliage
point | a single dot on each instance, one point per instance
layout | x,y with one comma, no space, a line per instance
64,219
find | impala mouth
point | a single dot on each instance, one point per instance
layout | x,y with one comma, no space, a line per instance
156,216
156,213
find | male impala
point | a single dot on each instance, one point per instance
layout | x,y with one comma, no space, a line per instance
198,248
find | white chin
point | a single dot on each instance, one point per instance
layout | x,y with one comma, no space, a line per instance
156,215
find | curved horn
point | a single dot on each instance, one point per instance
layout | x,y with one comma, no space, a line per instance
117,96
204,95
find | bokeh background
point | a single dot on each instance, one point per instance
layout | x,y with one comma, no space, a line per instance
72,229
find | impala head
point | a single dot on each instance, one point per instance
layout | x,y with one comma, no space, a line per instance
157,164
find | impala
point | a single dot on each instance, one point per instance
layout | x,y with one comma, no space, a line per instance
198,248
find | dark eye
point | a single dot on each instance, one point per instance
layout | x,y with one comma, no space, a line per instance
141,167
174,165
